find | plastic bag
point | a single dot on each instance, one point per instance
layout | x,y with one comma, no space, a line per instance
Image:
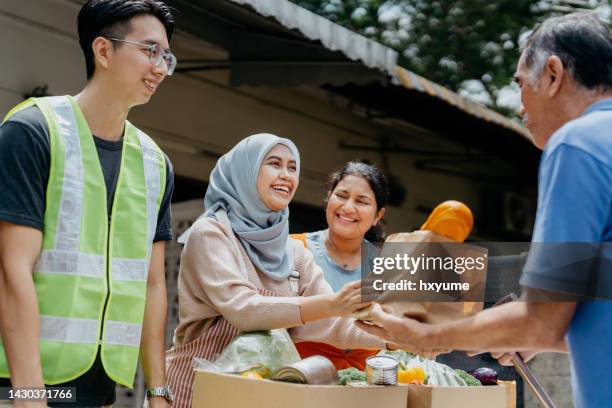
262,351
426,306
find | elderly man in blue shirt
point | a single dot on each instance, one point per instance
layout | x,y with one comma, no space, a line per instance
565,77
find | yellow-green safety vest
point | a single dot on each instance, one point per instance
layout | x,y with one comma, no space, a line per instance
92,272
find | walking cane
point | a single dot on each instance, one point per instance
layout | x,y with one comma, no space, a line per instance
523,369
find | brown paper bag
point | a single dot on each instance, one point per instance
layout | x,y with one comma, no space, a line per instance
439,307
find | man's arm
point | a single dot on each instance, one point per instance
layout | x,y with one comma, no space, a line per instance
152,343
516,326
20,247
521,325
505,358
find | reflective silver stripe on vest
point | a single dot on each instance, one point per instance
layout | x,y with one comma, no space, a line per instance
130,269
70,263
122,334
68,330
68,233
152,180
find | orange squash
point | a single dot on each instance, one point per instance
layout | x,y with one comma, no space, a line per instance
451,219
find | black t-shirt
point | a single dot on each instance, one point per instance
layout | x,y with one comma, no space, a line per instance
92,389
25,158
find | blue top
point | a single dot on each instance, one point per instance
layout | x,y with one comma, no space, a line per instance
575,205
334,274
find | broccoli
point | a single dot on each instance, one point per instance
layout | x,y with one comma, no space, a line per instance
350,374
469,379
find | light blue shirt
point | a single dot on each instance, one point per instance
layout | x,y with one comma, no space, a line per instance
575,205
334,274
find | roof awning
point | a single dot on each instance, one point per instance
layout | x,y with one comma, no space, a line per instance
333,36
371,53
411,80
278,43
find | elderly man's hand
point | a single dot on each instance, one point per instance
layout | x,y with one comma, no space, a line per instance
505,358
405,333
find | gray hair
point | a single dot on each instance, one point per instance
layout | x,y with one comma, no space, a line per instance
581,41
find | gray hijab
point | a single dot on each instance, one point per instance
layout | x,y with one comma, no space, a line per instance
233,187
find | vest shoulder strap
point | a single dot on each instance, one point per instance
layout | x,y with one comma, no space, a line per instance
23,105
149,144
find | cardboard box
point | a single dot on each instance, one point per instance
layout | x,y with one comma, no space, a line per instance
213,390
500,396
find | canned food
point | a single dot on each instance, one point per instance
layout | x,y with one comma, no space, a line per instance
381,370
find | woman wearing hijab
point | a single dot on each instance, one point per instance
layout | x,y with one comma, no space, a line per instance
241,272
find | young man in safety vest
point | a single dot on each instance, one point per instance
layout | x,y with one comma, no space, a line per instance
84,213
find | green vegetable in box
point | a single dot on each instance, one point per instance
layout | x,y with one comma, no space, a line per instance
350,374
469,379
436,373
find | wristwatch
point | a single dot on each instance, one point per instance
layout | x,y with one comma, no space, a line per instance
165,392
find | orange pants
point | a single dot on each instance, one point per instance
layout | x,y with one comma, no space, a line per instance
341,358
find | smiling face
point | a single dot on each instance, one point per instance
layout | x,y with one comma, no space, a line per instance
129,67
277,179
352,209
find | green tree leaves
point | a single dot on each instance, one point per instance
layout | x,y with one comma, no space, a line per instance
469,46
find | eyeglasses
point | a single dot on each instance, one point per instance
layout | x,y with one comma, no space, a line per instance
156,54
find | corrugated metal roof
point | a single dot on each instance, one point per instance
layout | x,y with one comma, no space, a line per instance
371,53
411,80
333,36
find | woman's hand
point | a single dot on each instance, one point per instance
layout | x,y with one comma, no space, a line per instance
348,300
341,304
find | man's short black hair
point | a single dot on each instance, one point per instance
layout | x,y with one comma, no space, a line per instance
581,41
111,18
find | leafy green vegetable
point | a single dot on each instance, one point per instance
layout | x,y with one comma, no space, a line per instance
436,373
469,379
403,357
350,374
